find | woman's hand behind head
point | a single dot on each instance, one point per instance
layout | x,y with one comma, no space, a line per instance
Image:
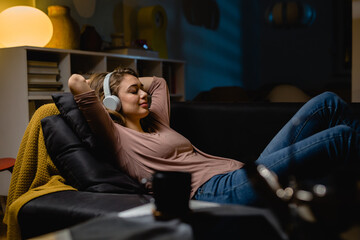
78,84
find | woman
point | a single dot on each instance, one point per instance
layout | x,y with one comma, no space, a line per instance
320,136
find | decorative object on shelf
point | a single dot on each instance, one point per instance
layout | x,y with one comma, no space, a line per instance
90,39
142,44
134,52
66,30
290,14
24,26
117,40
138,47
152,23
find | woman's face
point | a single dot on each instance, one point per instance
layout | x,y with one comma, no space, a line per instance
134,104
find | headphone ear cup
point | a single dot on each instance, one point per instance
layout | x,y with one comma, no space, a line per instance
112,102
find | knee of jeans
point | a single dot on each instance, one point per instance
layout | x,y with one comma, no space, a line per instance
329,95
344,129
330,98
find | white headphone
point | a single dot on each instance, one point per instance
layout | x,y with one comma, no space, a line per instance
111,102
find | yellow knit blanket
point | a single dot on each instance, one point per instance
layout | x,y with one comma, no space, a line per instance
34,173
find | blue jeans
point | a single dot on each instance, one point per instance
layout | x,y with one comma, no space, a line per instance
320,137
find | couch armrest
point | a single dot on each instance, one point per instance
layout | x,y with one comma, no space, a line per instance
60,210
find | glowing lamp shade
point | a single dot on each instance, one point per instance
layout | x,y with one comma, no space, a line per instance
24,26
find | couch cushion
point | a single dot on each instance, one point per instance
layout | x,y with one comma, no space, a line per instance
61,210
77,155
72,115
235,130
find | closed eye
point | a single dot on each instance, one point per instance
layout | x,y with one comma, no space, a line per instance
134,89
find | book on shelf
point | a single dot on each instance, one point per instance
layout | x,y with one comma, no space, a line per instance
43,93
43,70
45,85
44,89
42,78
42,63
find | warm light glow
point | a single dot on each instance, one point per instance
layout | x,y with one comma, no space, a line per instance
24,26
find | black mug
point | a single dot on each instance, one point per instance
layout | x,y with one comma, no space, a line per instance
172,193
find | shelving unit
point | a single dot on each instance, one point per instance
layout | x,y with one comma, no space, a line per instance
17,105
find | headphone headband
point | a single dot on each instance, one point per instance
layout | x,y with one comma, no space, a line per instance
110,101
106,84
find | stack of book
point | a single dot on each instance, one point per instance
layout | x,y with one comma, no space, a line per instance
43,78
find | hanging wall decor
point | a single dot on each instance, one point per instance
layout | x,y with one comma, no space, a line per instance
289,14
85,8
204,13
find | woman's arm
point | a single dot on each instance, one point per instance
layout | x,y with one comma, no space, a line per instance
146,81
160,100
95,113
78,84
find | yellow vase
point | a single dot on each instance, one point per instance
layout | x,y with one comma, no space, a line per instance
66,34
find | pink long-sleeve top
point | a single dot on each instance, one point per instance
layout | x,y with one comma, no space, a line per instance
141,154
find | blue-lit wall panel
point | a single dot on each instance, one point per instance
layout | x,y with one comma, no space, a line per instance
214,57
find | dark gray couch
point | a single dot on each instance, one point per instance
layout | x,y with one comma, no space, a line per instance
235,130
